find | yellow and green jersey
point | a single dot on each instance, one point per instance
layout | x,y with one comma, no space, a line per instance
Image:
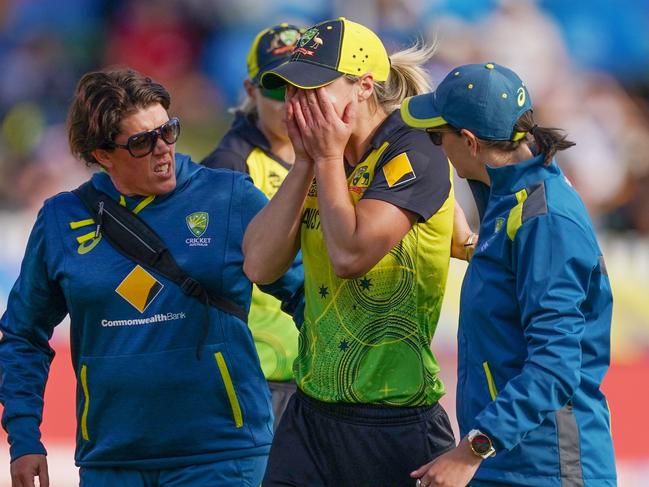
244,148
367,340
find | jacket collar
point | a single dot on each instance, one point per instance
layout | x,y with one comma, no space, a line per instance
514,177
246,128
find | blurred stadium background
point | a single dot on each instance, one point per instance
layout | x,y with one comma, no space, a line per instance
586,63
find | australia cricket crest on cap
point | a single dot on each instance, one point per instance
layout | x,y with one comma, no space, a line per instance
311,35
283,42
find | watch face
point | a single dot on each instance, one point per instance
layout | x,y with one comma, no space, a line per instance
481,444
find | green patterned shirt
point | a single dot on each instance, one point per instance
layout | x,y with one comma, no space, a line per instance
367,340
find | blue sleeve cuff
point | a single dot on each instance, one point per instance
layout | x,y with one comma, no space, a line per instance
24,437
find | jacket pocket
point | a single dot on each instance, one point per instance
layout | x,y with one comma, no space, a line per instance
493,392
83,377
167,404
229,389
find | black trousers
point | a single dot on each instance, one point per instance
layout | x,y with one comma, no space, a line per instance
321,444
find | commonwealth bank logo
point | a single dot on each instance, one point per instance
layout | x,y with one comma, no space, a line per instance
197,223
139,288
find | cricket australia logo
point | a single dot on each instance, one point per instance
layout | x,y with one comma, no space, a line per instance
197,223
308,35
500,222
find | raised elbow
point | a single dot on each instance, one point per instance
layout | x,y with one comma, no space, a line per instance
257,273
348,267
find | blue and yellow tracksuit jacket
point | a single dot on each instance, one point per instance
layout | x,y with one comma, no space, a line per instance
144,398
534,334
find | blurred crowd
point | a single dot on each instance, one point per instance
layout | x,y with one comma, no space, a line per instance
586,64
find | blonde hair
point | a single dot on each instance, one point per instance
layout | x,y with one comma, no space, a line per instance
247,107
407,77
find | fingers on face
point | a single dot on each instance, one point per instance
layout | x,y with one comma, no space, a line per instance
326,105
304,107
298,113
291,122
314,104
289,116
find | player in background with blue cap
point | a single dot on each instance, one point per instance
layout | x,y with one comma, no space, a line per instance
258,144
535,310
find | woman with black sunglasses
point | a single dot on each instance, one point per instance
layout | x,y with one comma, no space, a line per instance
169,391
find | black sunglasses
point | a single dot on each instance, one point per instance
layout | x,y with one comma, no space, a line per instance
143,143
435,136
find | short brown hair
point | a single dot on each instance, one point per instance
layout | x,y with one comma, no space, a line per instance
101,101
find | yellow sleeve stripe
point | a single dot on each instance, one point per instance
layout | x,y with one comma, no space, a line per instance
398,170
89,221
81,223
515,218
84,238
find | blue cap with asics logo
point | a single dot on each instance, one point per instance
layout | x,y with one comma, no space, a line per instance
487,99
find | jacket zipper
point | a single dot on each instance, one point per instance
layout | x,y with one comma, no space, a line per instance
229,389
490,381
124,227
86,402
100,217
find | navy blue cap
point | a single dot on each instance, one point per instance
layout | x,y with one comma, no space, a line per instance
487,99
271,47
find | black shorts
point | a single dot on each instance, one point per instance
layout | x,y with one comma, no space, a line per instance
321,444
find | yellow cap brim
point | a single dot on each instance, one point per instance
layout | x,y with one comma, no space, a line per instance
418,112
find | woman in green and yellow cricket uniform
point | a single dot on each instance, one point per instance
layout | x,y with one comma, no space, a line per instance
258,144
370,203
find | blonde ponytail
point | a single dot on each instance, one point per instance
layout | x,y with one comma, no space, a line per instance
407,77
247,107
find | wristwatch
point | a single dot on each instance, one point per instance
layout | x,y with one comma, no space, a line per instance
481,444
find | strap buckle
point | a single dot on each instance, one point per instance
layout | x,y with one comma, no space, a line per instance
191,287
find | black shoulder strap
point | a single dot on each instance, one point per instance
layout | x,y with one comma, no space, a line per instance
133,238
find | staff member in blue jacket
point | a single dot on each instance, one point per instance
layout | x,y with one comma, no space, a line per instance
151,411
535,311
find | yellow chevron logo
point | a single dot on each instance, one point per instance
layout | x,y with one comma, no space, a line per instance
139,288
